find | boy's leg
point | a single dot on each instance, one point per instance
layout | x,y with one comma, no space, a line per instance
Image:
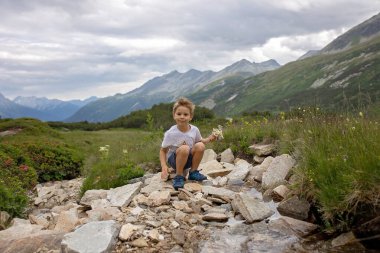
181,156
197,152
182,153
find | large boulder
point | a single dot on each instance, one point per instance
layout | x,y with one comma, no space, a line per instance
251,209
227,156
277,171
93,237
295,208
208,155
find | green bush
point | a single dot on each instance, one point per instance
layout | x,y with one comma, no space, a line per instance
13,199
54,161
14,166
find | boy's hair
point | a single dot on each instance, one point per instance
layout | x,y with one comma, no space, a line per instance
186,103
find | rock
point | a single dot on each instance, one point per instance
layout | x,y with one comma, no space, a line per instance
295,208
43,219
217,200
153,223
67,220
91,195
219,192
258,159
127,230
251,208
235,182
21,228
280,192
263,149
155,184
98,236
193,187
208,155
5,220
277,171
158,198
219,181
180,205
178,236
50,241
293,226
219,217
344,239
122,196
227,156
136,211
256,173
240,171
140,243
214,169
100,204
108,213
154,236
174,224
370,229
215,210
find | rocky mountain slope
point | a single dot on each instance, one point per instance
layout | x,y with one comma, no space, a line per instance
345,80
356,35
165,89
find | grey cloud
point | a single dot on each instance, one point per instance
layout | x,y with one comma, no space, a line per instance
60,44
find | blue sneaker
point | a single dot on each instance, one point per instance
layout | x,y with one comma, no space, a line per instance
178,182
196,176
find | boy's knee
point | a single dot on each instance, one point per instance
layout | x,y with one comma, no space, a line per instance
199,146
184,149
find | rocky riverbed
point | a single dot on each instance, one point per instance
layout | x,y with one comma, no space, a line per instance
242,207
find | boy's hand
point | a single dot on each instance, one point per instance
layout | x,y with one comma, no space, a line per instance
164,174
212,137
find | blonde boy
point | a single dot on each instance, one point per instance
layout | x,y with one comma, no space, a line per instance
183,145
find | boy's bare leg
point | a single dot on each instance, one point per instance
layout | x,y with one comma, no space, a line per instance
182,153
197,152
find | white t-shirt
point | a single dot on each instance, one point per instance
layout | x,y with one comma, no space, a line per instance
174,138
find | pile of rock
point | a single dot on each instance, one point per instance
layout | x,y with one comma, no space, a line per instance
223,214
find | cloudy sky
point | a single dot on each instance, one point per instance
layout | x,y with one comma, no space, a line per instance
69,49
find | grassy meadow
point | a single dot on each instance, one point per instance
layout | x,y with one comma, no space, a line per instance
338,157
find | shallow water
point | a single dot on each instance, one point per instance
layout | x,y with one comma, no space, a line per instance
261,237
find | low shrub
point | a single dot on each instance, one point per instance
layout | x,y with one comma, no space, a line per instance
13,198
54,161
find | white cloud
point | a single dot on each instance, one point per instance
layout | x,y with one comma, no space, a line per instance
95,47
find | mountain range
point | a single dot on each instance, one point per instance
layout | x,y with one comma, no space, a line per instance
166,88
41,108
345,73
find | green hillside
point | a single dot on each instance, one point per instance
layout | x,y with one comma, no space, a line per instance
345,80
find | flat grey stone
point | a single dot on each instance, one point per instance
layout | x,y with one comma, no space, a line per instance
93,237
122,196
251,208
277,171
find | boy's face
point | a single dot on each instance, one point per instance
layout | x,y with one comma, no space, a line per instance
182,116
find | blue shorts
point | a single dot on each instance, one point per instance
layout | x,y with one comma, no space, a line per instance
172,161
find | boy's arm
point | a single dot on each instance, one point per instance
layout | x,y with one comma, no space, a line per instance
164,166
208,139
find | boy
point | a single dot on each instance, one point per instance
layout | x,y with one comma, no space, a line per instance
183,145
